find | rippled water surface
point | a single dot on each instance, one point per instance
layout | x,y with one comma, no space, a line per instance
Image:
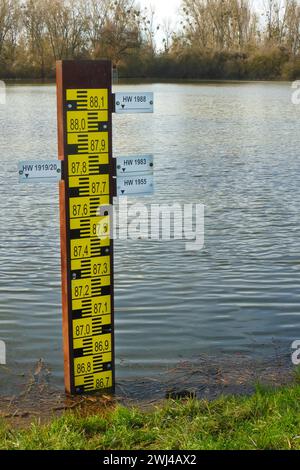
232,147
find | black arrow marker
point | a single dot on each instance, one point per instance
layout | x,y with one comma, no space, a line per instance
26,174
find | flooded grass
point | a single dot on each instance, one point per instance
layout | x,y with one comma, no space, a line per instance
236,403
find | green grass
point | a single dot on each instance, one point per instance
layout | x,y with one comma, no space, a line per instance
270,419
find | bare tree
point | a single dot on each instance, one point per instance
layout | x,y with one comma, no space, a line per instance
121,32
282,24
219,24
9,25
168,33
292,39
148,28
36,32
66,27
98,13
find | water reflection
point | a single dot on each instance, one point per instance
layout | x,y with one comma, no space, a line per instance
234,148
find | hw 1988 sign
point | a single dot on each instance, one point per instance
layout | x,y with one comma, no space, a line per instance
134,103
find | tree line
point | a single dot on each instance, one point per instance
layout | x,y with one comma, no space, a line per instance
215,39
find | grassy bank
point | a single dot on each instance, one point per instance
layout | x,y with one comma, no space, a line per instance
270,419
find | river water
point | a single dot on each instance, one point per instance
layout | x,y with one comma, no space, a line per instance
233,147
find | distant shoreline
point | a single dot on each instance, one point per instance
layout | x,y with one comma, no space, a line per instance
136,80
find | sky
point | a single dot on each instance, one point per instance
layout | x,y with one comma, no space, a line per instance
163,8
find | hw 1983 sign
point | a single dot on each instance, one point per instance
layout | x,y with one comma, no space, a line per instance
134,164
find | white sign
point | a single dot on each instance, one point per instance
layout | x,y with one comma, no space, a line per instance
2,92
137,102
2,353
134,164
40,171
142,185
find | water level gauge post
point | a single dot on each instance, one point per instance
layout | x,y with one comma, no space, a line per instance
84,107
